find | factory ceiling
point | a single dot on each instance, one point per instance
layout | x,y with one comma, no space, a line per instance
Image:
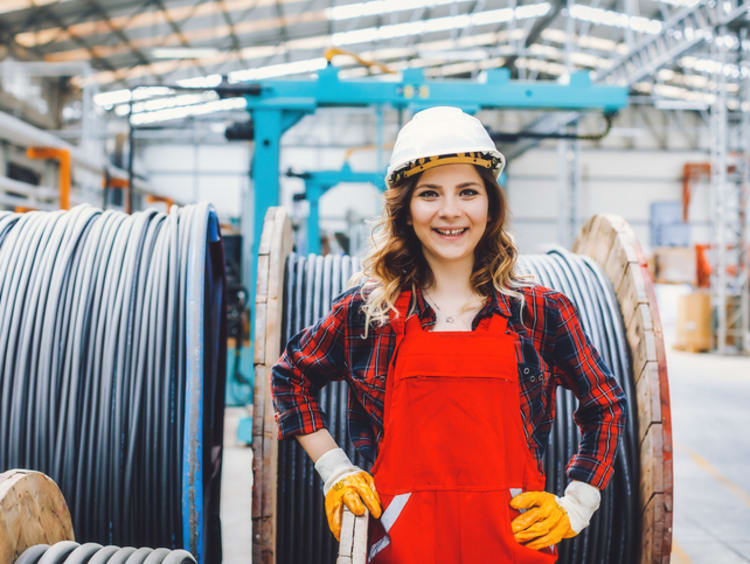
128,42
120,44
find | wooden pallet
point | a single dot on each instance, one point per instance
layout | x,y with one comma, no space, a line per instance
32,511
611,243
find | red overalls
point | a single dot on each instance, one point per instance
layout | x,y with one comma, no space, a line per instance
453,448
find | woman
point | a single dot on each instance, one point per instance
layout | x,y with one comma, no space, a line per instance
452,362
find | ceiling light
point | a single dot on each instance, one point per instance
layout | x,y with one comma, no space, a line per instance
380,7
682,3
671,104
226,104
8,6
183,52
433,25
201,81
282,69
125,95
615,19
454,55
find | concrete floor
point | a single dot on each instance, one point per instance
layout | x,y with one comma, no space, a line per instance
710,397
711,431
236,493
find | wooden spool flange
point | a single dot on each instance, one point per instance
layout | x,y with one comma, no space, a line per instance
32,511
275,245
611,243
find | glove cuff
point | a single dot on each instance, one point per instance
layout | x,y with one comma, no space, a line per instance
580,502
333,466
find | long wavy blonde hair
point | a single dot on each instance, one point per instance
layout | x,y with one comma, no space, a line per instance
395,261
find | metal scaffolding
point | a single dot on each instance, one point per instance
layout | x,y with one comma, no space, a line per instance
728,200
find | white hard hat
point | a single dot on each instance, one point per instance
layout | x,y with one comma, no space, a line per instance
441,135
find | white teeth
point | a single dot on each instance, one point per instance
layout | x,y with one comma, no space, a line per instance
450,231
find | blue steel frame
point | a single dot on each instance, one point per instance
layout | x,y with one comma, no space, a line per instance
280,104
319,182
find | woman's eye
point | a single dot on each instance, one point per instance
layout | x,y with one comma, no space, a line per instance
428,194
469,191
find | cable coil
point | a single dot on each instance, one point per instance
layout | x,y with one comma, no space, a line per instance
312,282
112,363
69,552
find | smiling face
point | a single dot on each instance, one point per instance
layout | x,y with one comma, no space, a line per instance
449,212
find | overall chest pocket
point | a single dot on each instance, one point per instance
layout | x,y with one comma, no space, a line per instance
450,430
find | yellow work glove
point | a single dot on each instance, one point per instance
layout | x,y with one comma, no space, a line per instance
549,518
345,483
352,491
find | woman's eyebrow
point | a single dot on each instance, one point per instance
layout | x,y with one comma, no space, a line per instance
440,187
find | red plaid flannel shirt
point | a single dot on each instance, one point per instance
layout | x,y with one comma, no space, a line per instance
552,350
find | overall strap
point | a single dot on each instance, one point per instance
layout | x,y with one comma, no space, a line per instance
402,305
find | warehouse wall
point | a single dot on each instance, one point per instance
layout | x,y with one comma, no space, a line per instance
624,182
214,172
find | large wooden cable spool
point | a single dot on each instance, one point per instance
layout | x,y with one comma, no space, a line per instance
112,368
275,244
36,526
610,241
607,240
32,511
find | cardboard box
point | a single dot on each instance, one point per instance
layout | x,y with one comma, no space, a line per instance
694,322
675,265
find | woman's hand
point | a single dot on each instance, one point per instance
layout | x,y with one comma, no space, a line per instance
344,483
549,518
544,523
357,491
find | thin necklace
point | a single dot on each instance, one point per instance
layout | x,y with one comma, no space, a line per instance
448,319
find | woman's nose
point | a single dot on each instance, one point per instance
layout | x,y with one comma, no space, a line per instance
449,207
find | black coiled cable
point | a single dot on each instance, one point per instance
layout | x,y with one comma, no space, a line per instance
311,283
112,363
613,535
69,552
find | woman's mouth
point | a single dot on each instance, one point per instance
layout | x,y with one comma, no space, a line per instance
450,233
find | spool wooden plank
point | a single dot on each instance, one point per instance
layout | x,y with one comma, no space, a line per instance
280,249
259,383
259,350
346,540
353,540
599,240
264,245
276,244
258,446
261,288
32,511
649,401
609,241
632,289
657,520
620,257
652,475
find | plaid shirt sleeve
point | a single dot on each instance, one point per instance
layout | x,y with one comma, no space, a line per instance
601,410
313,357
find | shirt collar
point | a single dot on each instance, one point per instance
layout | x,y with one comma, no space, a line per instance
498,303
